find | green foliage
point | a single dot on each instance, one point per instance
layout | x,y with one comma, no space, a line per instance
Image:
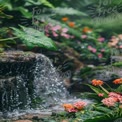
97,90
46,3
119,89
117,64
3,15
68,11
33,38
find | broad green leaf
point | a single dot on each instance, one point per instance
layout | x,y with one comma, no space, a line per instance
34,38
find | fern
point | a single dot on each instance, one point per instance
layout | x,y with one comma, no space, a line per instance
32,38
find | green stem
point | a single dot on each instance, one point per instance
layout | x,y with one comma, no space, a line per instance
108,86
104,89
1,40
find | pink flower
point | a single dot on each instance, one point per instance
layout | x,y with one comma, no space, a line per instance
120,36
47,34
84,36
55,28
109,101
92,49
64,30
72,37
89,47
120,46
54,34
67,36
72,110
100,55
113,94
117,96
101,39
100,94
102,50
80,105
120,99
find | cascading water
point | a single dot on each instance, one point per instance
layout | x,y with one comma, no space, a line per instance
30,85
48,82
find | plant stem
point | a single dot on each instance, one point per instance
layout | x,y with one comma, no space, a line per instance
1,40
104,89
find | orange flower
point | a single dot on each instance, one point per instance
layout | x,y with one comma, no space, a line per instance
118,81
86,30
97,82
68,106
71,24
65,19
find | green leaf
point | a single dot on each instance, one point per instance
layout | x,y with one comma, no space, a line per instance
119,89
46,3
24,11
34,38
97,90
68,11
103,109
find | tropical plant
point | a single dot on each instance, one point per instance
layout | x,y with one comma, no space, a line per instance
107,108
34,38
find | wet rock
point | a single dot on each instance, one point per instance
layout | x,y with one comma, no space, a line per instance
36,116
64,121
15,66
16,56
23,121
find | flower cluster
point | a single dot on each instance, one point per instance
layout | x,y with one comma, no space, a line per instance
57,31
112,99
77,106
97,82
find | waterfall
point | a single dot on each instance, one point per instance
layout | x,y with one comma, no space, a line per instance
30,85
48,82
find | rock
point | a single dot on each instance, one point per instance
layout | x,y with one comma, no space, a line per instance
16,56
23,121
16,66
73,55
64,121
36,116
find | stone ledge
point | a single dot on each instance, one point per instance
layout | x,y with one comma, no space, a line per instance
16,56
